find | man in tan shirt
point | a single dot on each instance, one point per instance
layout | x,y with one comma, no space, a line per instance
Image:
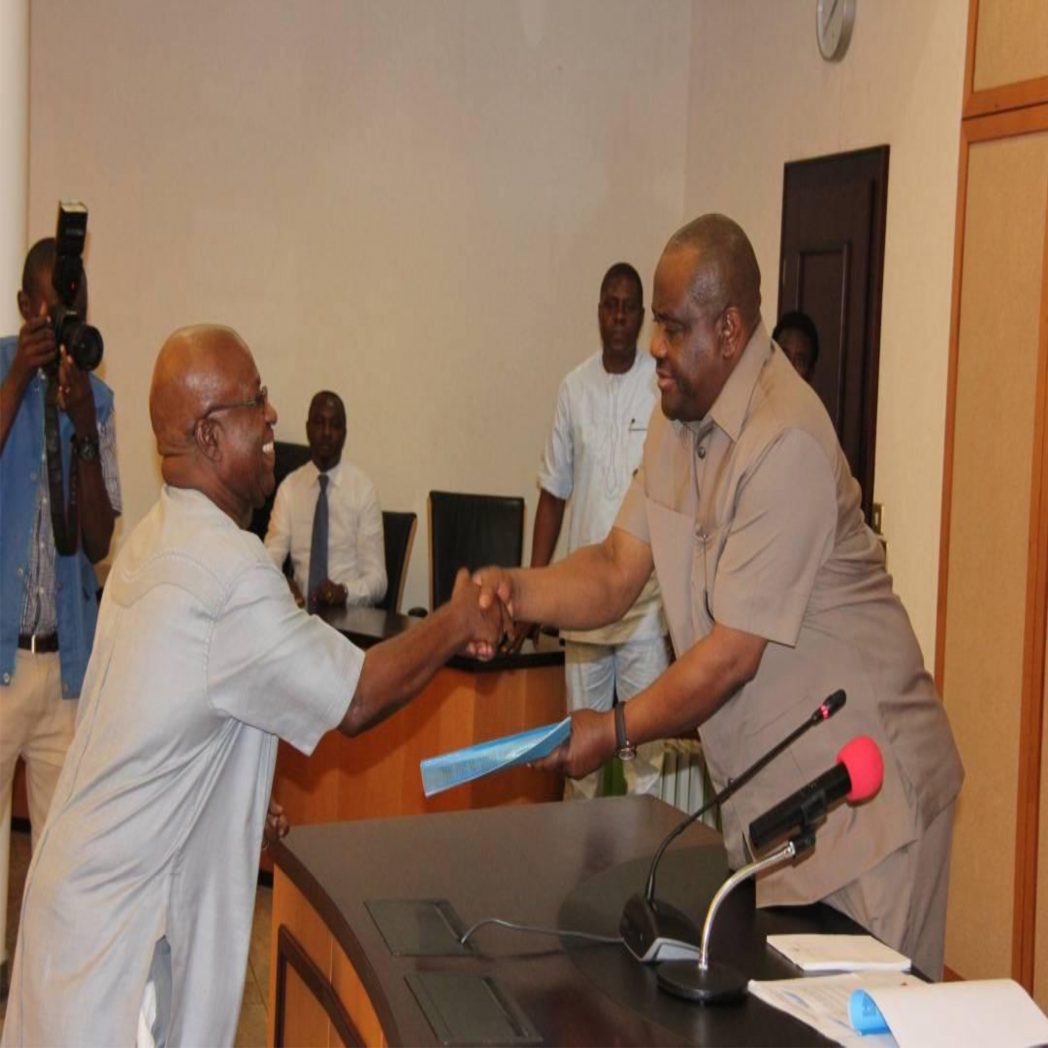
776,595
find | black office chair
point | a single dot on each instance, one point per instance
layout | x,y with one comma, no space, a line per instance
470,531
398,531
288,458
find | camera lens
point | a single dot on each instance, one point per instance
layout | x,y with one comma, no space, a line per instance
82,341
85,346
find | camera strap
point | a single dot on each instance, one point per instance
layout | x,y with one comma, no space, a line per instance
66,526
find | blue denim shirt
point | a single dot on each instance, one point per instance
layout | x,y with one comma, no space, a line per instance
20,461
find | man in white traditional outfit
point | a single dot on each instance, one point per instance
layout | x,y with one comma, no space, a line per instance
143,884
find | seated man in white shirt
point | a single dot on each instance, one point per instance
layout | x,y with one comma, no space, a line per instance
350,566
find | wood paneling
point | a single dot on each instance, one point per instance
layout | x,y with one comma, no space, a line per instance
1010,52
987,581
305,1022
377,775
993,607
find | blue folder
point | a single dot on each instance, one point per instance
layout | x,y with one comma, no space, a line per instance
453,769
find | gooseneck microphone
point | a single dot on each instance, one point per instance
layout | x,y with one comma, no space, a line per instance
655,931
857,775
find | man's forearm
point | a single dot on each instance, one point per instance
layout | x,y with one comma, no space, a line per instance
397,669
696,685
96,512
586,590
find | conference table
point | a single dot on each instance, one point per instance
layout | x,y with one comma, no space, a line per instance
377,774
345,894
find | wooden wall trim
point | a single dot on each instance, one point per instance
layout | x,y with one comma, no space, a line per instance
969,57
1032,702
945,515
1006,97
1006,125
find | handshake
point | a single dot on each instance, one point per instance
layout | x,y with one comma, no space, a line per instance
483,605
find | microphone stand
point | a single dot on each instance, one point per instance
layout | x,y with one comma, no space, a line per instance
657,931
711,982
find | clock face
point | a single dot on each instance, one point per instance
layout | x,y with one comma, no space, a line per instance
833,27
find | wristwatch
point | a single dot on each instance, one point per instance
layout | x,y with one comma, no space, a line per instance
86,448
626,749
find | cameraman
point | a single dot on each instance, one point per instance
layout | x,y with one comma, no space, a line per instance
48,602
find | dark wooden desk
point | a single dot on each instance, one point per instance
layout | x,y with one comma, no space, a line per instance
377,774
525,864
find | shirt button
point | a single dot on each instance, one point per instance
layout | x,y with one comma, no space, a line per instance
702,451
7,678
20,573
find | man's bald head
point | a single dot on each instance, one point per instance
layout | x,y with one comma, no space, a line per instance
726,270
212,420
194,370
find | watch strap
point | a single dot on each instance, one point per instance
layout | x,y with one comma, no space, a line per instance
626,749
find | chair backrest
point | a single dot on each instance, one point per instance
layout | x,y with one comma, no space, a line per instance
398,531
469,531
288,458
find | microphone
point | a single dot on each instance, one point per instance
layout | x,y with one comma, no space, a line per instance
857,775
656,931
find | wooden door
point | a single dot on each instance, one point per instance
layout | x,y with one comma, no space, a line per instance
993,579
991,631
831,266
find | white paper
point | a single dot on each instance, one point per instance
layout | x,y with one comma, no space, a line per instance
839,953
821,1001
983,1012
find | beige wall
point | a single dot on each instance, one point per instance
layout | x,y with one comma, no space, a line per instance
760,96
412,203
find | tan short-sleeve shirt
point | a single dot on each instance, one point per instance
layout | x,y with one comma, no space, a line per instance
754,521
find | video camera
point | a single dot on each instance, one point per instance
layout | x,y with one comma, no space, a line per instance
82,341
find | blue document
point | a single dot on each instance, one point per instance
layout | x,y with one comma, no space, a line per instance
865,1016
453,769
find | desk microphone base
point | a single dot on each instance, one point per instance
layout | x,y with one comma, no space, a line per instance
655,931
714,984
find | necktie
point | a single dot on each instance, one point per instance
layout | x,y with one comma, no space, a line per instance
318,547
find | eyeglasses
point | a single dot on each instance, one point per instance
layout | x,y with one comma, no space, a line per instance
258,402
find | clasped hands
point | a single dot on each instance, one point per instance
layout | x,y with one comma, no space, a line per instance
592,739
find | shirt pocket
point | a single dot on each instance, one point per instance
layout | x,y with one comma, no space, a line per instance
678,566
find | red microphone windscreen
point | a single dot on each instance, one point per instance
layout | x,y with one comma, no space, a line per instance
862,758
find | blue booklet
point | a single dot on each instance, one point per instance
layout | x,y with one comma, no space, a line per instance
453,769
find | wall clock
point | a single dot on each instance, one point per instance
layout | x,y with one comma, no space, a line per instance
834,20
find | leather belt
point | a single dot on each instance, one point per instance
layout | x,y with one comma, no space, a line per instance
38,643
